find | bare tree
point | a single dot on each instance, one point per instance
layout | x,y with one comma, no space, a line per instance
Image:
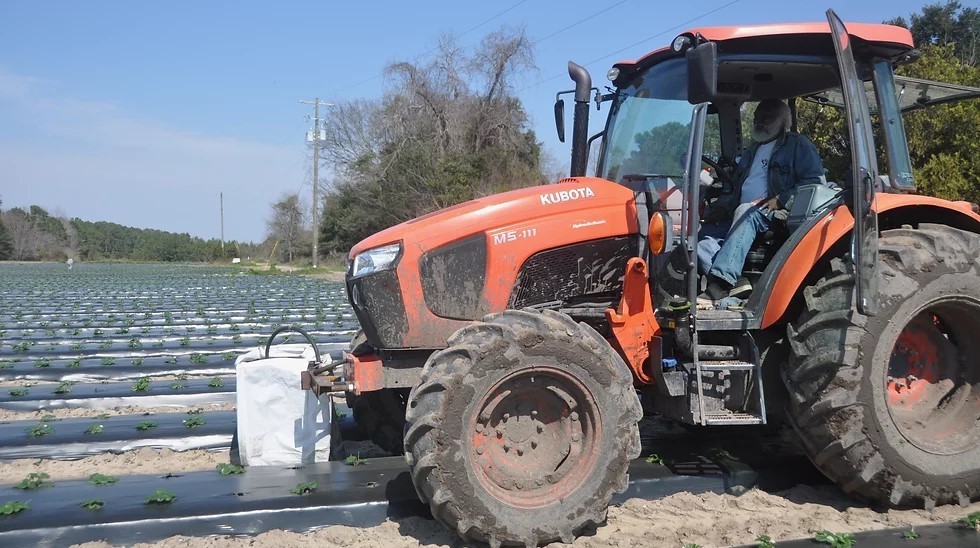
287,224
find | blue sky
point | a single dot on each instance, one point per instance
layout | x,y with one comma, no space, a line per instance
141,113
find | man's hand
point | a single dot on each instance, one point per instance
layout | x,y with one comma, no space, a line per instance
772,204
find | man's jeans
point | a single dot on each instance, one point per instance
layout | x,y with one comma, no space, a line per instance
722,248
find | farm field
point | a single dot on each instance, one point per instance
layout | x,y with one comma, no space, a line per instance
127,372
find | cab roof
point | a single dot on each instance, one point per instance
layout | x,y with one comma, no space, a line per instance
887,41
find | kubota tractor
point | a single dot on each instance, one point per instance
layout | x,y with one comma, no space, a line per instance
508,341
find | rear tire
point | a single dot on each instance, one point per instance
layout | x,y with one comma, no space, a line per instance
522,429
912,441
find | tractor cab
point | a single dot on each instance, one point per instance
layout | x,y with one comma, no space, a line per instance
681,119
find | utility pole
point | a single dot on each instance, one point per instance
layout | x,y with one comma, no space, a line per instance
316,102
221,198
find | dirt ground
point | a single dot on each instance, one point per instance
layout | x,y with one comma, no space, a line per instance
707,520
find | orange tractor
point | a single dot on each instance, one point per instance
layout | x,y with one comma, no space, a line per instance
510,344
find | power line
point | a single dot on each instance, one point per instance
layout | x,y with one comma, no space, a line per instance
647,39
577,23
316,102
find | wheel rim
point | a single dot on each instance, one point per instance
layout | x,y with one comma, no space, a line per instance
933,379
534,437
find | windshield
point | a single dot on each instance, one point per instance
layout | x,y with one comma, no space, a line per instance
650,124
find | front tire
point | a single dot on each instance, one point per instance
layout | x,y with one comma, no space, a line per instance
888,406
522,429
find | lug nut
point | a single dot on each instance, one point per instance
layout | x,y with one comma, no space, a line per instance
576,437
520,452
540,429
479,427
534,445
534,412
506,416
506,447
500,433
574,416
479,450
539,482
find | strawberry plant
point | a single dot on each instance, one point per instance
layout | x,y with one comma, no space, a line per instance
226,469
215,382
102,479
18,392
40,429
94,429
304,488
92,504
35,480
194,422
146,425
835,540
161,496
142,384
64,387
12,507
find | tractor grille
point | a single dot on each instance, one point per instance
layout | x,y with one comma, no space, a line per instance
579,270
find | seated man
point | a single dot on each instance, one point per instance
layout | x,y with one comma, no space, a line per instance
767,173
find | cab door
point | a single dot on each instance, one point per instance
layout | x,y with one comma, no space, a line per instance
864,165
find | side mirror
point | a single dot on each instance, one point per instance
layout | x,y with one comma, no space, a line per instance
560,119
702,73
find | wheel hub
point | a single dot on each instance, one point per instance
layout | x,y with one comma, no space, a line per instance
533,440
933,380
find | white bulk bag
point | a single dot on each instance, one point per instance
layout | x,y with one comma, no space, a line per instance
279,423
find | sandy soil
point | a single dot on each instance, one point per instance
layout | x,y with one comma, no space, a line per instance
82,412
141,461
708,520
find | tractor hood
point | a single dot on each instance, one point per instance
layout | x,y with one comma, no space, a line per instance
414,284
578,199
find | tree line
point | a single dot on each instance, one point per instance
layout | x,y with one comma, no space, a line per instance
33,234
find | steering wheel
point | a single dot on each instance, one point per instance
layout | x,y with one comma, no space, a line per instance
727,183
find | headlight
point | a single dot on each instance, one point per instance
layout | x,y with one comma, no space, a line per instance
375,260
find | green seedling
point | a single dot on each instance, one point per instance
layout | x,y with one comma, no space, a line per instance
236,339
910,534
215,382
12,507
355,460
835,540
764,541
186,341
137,362
177,386
102,416
75,363
105,345
304,488
146,425
655,459
135,343
35,480
972,520
195,411
49,418
93,504
194,422
161,496
102,479
21,347
108,361
64,387
18,392
40,429
122,331
226,469
94,429
142,384
199,358
228,356
43,362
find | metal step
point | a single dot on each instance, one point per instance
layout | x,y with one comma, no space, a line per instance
719,418
727,365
